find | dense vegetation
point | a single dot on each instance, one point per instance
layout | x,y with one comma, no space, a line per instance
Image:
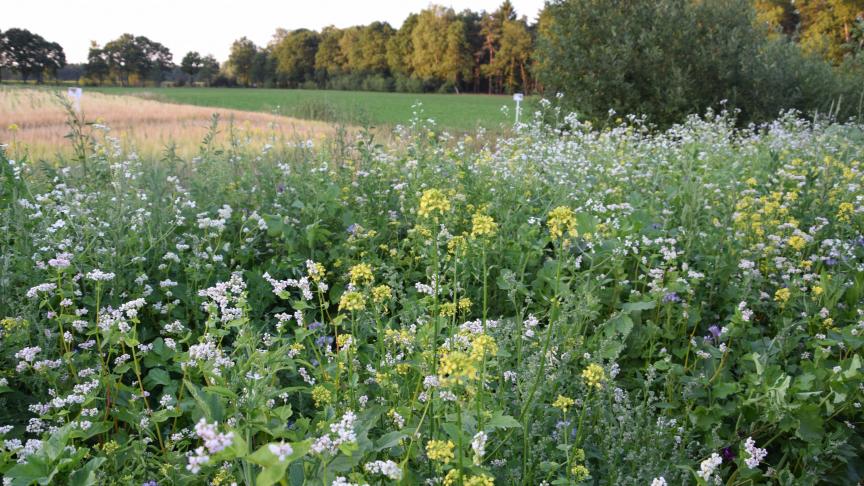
565,306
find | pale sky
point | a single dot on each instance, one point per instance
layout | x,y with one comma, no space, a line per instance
209,27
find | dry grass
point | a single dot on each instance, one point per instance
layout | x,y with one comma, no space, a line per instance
33,120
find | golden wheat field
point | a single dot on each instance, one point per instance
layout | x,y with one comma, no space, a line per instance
34,120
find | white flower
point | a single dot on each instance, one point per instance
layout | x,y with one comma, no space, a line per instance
478,445
281,450
386,468
707,467
756,454
661,481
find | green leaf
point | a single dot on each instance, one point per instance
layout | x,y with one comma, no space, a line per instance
157,376
391,439
724,389
638,306
86,476
500,421
35,470
810,424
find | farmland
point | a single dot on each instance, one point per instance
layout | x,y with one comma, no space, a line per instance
463,112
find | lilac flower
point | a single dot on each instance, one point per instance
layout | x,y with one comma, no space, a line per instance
671,298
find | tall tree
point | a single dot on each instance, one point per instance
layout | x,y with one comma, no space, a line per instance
431,59
491,28
295,56
400,48
191,64
514,51
97,63
241,59
827,25
138,55
329,60
209,68
30,54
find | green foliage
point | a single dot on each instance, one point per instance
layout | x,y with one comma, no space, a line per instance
563,304
672,58
30,54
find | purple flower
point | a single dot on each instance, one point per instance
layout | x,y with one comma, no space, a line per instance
315,325
152,482
671,298
831,261
280,188
728,454
352,229
324,341
715,331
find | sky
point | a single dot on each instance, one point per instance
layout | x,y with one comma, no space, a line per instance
209,27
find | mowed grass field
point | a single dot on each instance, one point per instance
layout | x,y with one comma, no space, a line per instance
454,112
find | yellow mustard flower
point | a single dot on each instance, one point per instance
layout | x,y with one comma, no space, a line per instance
483,225
361,273
563,403
562,222
594,375
440,450
352,301
433,201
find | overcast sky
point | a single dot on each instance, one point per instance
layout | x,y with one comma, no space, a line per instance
208,27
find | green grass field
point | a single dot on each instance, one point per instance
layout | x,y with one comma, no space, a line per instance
455,112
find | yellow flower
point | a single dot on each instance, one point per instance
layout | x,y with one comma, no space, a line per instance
481,480
594,375
483,345
316,271
817,290
110,447
456,368
782,295
448,309
846,211
343,340
361,273
433,200
828,323
580,473
439,450
381,293
321,396
464,304
13,128
457,245
483,225
352,301
751,182
797,242
563,403
562,222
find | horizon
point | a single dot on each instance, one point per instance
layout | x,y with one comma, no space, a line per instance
223,23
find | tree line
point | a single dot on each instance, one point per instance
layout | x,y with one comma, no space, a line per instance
664,58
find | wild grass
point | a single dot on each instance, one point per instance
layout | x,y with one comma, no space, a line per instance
34,121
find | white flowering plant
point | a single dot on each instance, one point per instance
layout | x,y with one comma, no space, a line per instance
552,305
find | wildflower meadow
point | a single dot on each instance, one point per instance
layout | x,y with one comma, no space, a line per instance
557,304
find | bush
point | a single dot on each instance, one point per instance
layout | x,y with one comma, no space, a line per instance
669,58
